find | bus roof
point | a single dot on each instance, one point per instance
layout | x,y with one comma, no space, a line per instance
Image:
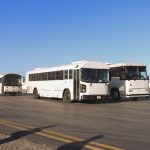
74,65
9,74
125,64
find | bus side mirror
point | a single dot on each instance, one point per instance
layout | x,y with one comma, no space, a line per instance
148,78
23,79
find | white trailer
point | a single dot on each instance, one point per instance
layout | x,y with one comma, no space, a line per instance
77,81
128,80
10,84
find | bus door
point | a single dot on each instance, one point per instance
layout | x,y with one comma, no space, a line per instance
76,85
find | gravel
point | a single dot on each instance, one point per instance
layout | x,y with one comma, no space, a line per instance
19,144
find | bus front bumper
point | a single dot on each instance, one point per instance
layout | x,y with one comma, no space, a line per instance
93,97
137,95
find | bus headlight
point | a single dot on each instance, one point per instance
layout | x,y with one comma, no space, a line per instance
82,88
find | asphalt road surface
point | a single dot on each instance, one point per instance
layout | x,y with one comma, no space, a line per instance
62,126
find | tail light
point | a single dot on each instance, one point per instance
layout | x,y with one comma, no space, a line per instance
82,88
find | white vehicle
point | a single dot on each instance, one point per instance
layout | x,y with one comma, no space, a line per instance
76,81
128,80
24,87
10,84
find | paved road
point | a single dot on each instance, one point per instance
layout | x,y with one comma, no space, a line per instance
62,126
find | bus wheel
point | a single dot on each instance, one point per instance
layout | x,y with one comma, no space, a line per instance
67,96
115,94
35,93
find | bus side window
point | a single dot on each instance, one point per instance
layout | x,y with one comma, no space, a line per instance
44,76
114,73
35,77
65,74
30,77
39,76
59,75
70,74
51,75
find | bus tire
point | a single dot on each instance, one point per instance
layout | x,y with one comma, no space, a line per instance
115,94
35,93
67,96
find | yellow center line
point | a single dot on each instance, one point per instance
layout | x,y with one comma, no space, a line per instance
79,139
50,136
69,137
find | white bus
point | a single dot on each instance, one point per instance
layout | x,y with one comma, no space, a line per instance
76,81
128,80
10,84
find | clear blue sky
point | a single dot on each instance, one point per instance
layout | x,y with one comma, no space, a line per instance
45,33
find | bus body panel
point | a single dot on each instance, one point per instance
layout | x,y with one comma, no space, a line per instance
11,89
137,87
51,88
96,88
55,89
132,88
118,84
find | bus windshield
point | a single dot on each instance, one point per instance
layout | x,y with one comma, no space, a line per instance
12,80
137,73
95,75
